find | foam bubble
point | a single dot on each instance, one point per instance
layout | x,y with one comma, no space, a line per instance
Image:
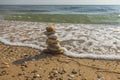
20,44
99,41
90,55
66,52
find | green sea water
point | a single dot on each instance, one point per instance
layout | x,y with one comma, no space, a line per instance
65,18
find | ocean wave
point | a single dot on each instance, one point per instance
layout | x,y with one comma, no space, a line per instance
60,9
97,40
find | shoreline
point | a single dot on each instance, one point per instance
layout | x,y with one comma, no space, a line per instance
98,39
28,63
66,52
25,63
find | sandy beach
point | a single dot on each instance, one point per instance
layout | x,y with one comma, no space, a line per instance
26,63
23,63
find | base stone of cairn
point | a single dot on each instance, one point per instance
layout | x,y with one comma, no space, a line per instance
53,43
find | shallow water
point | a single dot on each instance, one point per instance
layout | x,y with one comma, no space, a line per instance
93,39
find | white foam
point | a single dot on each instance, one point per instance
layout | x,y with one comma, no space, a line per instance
20,44
90,55
66,52
98,41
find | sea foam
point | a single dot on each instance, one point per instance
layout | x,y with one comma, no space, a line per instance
20,44
90,55
98,41
66,52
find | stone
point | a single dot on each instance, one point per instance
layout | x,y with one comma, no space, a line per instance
36,76
55,71
50,28
74,72
2,73
39,68
69,78
20,74
49,33
24,65
22,68
33,59
53,49
34,71
59,79
13,75
71,75
62,71
53,36
100,76
5,63
53,74
5,66
53,42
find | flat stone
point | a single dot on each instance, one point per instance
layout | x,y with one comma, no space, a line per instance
5,66
53,74
52,41
49,33
24,65
55,71
34,71
3,73
71,75
20,74
74,71
59,79
36,76
5,63
69,78
53,36
33,59
62,71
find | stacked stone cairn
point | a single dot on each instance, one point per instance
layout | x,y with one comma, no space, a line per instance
53,43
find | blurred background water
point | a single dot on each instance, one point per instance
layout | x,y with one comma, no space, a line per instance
59,9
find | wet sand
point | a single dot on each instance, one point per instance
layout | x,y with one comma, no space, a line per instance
23,63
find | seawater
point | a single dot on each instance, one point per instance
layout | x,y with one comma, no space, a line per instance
59,9
82,40
78,40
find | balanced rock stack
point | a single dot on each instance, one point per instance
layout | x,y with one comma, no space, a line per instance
53,42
